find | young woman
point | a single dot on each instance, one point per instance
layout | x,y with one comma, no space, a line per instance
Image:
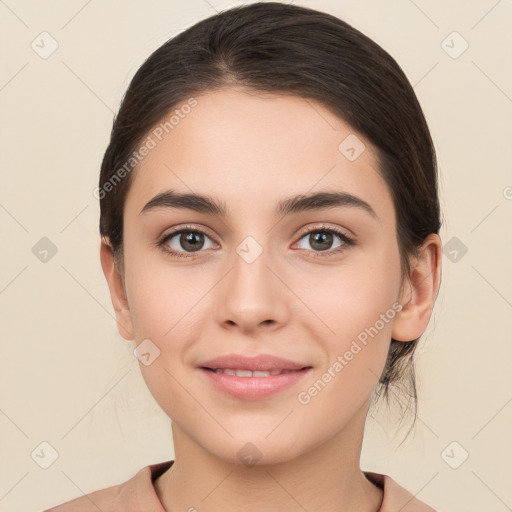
269,222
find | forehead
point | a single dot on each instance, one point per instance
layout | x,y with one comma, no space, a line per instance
247,147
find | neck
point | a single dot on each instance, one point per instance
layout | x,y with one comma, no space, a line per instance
326,479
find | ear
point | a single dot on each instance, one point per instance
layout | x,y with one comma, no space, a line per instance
117,292
419,293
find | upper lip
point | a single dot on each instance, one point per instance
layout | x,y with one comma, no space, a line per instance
261,362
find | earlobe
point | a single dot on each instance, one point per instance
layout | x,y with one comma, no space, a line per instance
419,293
117,292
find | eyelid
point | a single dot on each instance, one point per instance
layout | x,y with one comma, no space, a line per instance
303,231
186,227
324,226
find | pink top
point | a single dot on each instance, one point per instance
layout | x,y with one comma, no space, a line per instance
138,495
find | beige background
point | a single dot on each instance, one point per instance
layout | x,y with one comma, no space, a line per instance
69,379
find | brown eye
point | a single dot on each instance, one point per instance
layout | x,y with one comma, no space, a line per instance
320,241
191,241
185,241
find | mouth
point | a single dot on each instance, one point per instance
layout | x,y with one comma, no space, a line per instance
253,385
249,373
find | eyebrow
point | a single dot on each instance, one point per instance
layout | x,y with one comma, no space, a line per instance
295,204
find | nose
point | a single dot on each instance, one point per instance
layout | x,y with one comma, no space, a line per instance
252,295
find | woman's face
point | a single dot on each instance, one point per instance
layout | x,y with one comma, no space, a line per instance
266,278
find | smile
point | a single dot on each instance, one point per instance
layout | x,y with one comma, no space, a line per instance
249,373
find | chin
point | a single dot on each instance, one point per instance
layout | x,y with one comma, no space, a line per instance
256,450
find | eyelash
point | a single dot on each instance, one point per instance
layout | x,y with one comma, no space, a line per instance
347,241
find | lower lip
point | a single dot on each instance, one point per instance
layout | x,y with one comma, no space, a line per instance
254,388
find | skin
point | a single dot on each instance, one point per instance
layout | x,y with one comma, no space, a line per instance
249,151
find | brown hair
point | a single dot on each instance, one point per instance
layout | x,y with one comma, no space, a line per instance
275,47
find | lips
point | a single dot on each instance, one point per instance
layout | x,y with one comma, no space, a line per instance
249,373
253,378
263,362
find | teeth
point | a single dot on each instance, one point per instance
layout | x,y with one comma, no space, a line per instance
249,373
243,373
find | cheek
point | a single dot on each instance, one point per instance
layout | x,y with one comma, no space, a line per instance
161,297
355,293
359,307
354,358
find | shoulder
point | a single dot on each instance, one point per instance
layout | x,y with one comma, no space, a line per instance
396,498
135,495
